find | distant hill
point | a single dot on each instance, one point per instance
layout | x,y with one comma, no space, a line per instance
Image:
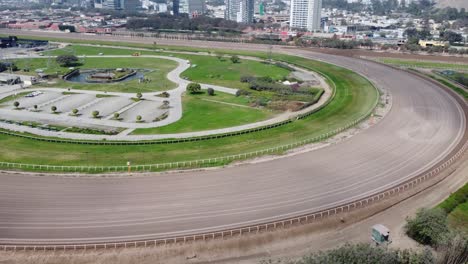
452,3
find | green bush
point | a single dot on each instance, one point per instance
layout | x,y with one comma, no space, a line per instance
428,227
235,59
455,199
366,254
193,88
210,91
67,60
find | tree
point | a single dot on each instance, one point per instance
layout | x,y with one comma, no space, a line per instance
138,118
116,115
35,107
95,114
428,227
451,36
54,109
75,111
139,95
193,88
67,60
16,104
210,91
235,59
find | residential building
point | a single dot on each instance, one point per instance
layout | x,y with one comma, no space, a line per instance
305,14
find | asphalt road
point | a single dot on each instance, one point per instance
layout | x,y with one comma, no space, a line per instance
423,126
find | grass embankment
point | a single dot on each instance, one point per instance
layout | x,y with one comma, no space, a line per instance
203,112
423,64
12,97
354,97
431,65
456,206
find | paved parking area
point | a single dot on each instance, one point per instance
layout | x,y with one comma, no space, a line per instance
29,102
106,106
148,110
68,102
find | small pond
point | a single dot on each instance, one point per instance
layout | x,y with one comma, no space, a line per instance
85,76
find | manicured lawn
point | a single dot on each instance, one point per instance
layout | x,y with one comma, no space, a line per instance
223,72
201,114
354,97
159,69
209,69
423,64
80,50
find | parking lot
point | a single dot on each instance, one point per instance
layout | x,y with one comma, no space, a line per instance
86,104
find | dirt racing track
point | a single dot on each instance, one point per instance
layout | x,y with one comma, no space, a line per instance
423,132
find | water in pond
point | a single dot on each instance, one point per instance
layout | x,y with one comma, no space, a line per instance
83,77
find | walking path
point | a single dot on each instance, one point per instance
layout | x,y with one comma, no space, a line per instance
175,110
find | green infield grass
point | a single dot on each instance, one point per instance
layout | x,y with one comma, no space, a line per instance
158,72
354,97
203,112
205,69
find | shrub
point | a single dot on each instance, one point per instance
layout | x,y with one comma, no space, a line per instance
428,227
95,114
284,66
35,107
53,108
367,254
267,79
247,78
242,92
116,115
67,60
194,88
454,250
210,91
235,59
75,111
16,104
138,118
139,95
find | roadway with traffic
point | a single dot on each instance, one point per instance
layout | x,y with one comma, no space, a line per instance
423,127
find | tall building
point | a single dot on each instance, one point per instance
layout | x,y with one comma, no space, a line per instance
192,7
305,14
241,11
175,7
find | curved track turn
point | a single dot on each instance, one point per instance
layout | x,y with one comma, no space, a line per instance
424,125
